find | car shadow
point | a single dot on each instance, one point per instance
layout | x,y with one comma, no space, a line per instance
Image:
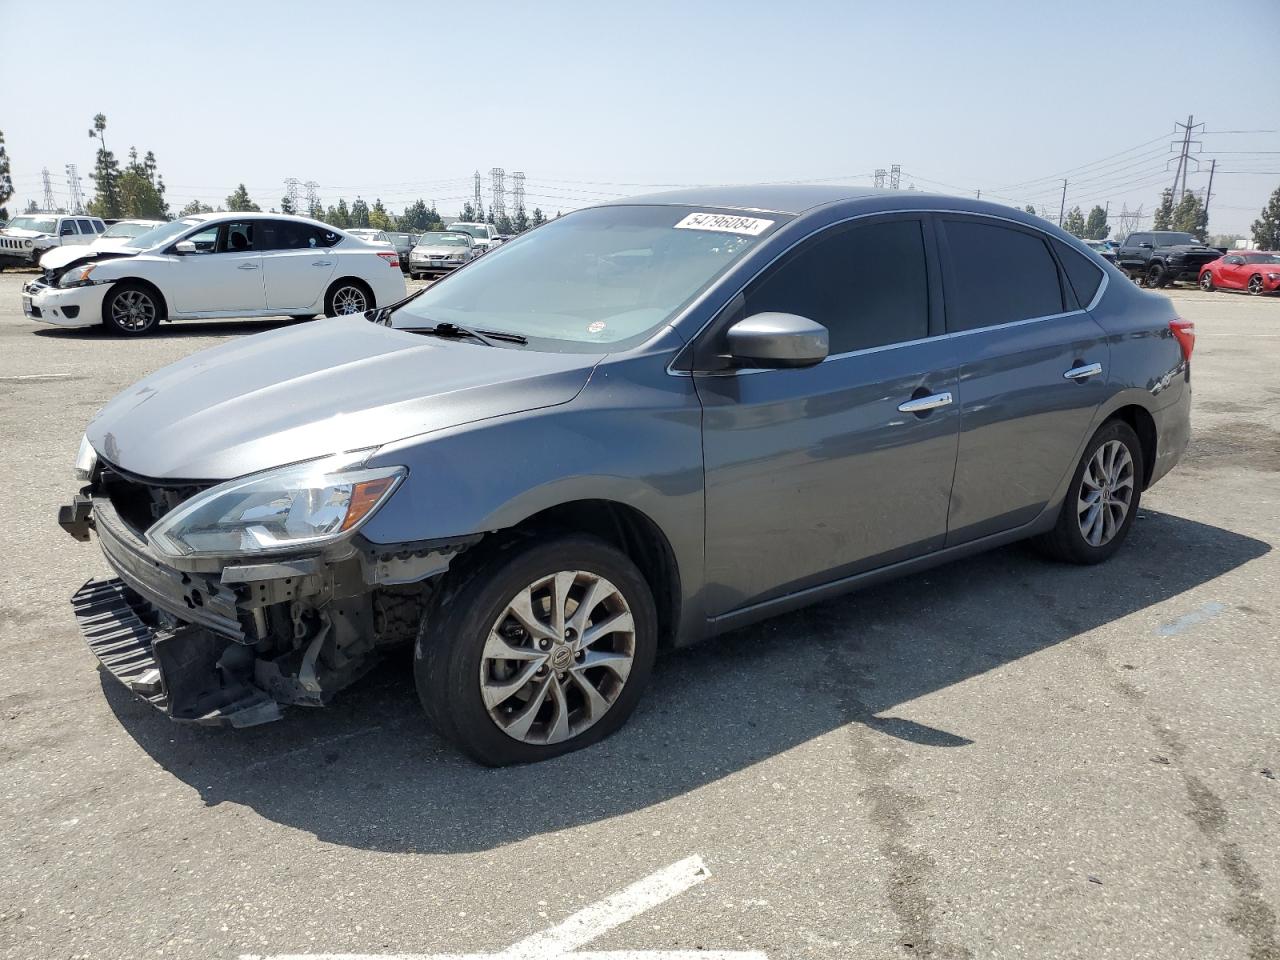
179,328
369,771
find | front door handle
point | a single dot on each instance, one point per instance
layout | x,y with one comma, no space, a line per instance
322,263
925,404
1083,372
248,266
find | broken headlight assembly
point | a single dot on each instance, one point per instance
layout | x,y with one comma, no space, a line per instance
305,505
86,460
78,276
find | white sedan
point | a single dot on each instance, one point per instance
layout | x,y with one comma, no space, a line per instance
218,265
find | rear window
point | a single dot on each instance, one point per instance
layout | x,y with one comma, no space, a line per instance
1084,276
998,275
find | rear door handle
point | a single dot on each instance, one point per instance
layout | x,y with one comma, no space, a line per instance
1083,372
925,404
248,266
322,263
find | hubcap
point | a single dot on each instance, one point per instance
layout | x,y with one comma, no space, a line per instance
557,657
133,310
1106,491
349,300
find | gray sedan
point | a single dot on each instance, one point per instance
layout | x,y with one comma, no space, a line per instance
640,425
440,252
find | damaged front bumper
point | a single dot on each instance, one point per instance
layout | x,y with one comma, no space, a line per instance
228,644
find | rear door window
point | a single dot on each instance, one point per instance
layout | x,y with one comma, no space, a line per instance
997,274
86,227
867,284
1085,275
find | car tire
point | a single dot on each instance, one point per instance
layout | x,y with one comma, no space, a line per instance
132,309
1102,500
460,680
1206,282
1255,285
1155,276
344,294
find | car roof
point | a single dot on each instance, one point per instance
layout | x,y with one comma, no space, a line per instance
246,215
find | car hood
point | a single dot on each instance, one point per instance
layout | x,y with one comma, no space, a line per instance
315,389
1194,249
60,257
22,233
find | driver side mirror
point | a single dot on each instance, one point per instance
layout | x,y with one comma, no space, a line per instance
777,340
184,247
1147,245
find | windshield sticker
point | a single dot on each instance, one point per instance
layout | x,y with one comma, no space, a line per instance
595,327
724,223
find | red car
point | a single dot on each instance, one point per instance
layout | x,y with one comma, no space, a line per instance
1253,270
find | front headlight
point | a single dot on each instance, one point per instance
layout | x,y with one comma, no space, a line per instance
86,460
305,505
1273,276
77,276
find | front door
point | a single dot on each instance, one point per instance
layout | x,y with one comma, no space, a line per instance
818,473
224,274
1033,370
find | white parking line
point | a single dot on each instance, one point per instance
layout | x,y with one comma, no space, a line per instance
582,927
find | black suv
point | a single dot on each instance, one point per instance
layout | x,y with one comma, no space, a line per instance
1163,256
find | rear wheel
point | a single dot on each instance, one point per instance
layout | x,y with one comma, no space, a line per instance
1103,498
346,298
1206,282
132,309
1255,284
535,649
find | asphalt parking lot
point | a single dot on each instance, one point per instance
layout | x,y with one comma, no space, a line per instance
1000,758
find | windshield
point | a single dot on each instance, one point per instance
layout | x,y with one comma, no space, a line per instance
38,224
128,229
1175,240
443,240
1262,258
477,230
164,233
589,280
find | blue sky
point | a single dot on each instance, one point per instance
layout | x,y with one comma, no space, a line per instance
593,100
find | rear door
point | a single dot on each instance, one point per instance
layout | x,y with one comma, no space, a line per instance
817,473
1033,368
296,263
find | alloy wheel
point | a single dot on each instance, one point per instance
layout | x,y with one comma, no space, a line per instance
1255,284
133,310
349,300
1206,282
1106,491
557,657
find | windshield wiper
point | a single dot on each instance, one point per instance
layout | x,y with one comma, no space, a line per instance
382,315
484,336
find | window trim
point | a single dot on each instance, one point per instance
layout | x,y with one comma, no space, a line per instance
688,352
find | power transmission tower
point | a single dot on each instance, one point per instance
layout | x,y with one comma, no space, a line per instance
1185,158
498,203
49,205
895,176
477,196
1130,220
518,193
291,185
313,198
73,181
880,175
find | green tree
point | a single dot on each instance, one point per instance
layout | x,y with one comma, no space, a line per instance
1029,209
538,218
1096,227
239,201
286,205
1190,217
106,173
339,216
1266,229
1164,212
521,221
359,213
1074,222
414,219
468,214
142,189
195,206
32,207
6,181
379,219
315,211
505,226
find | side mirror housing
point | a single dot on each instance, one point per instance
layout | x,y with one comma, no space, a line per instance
777,340
185,246
1146,245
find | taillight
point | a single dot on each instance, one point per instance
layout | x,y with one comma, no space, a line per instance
1184,331
393,259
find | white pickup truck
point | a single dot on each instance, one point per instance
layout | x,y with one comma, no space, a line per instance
29,236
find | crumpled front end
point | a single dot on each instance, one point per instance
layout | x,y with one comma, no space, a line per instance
230,642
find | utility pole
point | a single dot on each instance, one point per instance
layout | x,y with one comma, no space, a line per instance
978,196
1209,190
476,202
49,205
77,198
1062,209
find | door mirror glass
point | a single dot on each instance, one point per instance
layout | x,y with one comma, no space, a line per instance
773,340
185,246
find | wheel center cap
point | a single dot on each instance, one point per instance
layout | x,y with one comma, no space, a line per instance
561,658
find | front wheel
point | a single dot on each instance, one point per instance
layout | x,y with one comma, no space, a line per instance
132,309
1102,500
1206,282
534,649
1155,276
1255,285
